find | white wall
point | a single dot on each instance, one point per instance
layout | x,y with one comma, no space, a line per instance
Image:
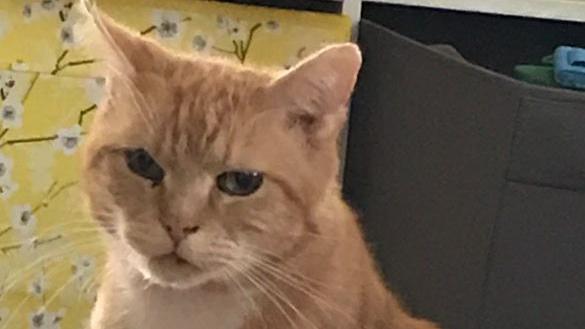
570,10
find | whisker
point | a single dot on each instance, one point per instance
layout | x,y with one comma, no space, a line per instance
23,273
287,270
318,298
58,292
271,286
269,257
298,284
262,289
255,308
92,283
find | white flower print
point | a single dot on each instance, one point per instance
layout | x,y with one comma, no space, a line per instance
38,320
83,266
237,30
67,36
38,286
27,10
83,269
7,81
68,139
11,114
57,317
6,164
202,43
94,89
34,9
48,4
272,26
24,222
31,11
168,24
222,22
7,188
19,66
43,319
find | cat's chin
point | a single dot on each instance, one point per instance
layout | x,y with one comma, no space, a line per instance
170,271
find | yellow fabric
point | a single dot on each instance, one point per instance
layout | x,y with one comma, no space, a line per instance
49,256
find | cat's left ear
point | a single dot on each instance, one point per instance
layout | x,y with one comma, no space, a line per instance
123,51
316,92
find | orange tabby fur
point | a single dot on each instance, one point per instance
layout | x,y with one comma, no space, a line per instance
290,255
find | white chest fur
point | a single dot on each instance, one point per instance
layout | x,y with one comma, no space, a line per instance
157,308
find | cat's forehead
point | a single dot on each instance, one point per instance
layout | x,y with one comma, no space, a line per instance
199,107
210,84
216,72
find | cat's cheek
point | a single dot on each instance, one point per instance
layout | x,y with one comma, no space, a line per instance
207,249
147,240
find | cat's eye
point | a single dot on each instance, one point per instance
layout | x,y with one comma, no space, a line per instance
143,164
239,183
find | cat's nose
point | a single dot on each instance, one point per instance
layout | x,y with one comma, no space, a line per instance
190,230
178,233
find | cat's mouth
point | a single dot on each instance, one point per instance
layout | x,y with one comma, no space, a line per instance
172,270
174,259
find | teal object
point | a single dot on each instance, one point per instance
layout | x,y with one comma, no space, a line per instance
569,66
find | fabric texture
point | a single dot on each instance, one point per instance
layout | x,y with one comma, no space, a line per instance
470,186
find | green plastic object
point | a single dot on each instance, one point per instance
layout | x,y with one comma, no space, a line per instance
540,74
536,74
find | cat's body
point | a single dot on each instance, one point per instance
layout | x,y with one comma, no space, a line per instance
217,187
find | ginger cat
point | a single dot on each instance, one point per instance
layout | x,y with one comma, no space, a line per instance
216,187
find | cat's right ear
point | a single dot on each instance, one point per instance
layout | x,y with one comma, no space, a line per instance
315,93
121,50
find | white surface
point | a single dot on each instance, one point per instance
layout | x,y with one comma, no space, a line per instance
568,10
353,9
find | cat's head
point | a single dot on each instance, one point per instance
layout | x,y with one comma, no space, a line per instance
198,167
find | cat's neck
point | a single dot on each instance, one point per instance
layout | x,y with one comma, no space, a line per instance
325,269
150,306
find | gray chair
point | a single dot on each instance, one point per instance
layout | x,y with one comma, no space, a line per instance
471,187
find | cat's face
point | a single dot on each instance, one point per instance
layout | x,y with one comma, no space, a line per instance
200,169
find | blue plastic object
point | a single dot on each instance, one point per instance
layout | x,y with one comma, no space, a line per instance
569,65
